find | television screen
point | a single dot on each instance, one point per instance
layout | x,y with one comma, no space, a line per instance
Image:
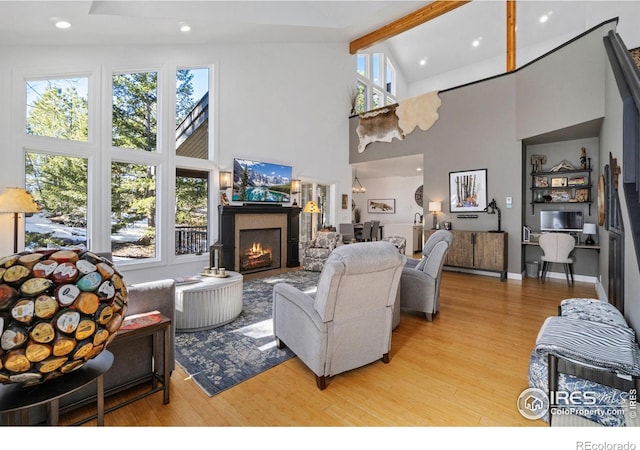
256,181
561,220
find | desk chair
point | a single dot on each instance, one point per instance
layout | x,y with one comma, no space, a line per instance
557,247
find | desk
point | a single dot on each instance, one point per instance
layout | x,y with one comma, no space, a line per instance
588,247
16,398
357,228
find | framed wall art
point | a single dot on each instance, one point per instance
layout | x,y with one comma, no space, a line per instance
468,191
381,206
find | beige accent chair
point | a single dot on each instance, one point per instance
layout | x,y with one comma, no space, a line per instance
420,283
348,323
557,248
316,251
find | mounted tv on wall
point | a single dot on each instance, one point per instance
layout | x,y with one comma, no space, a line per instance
258,181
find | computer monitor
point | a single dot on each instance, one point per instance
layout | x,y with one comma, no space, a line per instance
561,221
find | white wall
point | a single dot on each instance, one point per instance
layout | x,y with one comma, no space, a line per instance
276,102
402,189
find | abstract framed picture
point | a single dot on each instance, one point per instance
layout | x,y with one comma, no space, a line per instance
468,191
381,206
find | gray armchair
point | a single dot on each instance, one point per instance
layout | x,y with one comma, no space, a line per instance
316,251
348,322
420,282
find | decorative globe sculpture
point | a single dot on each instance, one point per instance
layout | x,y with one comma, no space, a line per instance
58,309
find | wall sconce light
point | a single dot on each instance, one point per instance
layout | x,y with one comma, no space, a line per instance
357,187
226,180
435,208
16,200
589,229
295,186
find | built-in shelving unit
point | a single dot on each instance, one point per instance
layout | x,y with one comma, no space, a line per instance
563,186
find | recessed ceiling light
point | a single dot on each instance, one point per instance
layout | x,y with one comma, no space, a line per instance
423,61
419,169
545,17
185,28
476,42
63,24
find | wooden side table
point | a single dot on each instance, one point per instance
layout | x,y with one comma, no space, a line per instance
14,398
163,327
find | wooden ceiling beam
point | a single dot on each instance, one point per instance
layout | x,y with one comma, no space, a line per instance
418,17
511,35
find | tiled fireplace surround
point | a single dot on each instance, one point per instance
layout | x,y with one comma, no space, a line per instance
252,217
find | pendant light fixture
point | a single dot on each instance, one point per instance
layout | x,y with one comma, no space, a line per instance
357,187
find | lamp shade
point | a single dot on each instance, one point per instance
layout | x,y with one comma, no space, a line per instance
226,180
589,228
311,207
295,186
17,200
435,207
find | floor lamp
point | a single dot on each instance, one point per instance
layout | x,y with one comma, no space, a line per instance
16,200
312,208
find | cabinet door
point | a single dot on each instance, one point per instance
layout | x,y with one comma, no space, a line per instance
490,251
461,250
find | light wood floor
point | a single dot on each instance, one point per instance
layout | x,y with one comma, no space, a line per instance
466,368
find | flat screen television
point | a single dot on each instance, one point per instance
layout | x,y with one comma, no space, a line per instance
258,181
561,220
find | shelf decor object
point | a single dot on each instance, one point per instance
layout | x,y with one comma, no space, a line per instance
63,308
468,191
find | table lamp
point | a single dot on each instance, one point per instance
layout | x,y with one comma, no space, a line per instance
16,200
435,208
589,229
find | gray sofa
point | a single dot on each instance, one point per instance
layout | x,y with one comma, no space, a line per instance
132,359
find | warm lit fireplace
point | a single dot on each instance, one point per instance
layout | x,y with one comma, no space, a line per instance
259,249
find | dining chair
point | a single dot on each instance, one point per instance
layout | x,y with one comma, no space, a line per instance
347,231
375,227
366,232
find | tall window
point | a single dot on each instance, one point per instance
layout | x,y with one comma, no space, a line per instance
192,141
376,82
192,113
133,210
107,190
58,185
192,201
135,102
57,108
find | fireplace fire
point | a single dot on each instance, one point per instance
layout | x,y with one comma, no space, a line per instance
259,249
256,257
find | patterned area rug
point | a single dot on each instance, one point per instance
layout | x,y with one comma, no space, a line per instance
222,357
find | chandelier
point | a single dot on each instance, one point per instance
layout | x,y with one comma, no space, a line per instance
357,187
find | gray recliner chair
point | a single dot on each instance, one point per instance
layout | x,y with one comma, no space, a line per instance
420,282
348,323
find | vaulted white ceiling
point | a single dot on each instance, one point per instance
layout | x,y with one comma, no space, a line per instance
445,42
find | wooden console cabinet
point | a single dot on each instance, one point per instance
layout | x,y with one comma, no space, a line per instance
479,250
